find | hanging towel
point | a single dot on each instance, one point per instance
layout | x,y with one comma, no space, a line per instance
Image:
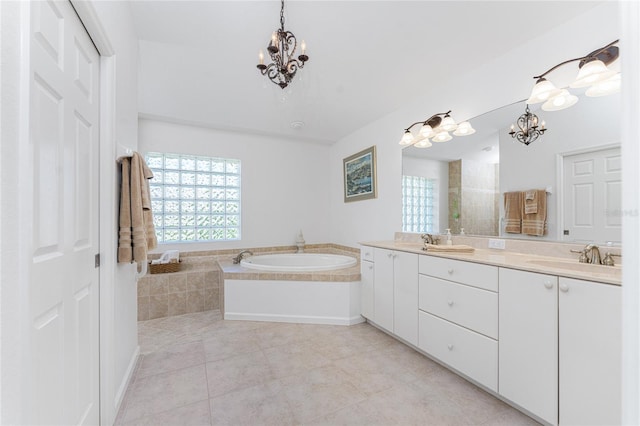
136,234
530,202
457,248
513,212
536,223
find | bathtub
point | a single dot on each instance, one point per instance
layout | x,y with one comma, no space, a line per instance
299,262
312,288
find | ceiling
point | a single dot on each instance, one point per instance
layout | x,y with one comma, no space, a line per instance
367,58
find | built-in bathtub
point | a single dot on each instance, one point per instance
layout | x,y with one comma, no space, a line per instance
316,288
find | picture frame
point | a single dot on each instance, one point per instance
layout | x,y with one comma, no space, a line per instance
360,178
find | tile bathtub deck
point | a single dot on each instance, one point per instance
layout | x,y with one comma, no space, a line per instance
197,369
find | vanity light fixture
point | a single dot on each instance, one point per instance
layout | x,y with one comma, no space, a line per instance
593,71
437,128
528,129
281,49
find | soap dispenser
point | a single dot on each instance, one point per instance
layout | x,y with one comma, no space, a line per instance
449,242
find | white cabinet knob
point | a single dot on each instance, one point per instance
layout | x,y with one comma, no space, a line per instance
564,288
450,302
450,346
548,284
389,255
450,271
370,266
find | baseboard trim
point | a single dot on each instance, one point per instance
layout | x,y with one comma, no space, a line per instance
122,389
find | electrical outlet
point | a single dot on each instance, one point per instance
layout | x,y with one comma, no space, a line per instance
495,243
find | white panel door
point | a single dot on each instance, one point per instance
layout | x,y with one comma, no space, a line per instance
592,185
590,337
63,286
528,336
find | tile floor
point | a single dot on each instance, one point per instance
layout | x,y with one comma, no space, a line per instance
197,369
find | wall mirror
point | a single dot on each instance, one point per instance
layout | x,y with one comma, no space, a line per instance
466,177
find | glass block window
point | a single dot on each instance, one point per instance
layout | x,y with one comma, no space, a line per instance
194,198
419,205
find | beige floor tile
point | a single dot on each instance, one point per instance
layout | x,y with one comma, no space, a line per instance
196,414
287,360
170,358
236,373
263,404
281,334
225,344
316,393
163,392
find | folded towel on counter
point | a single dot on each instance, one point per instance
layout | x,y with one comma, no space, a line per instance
456,248
536,223
513,212
530,202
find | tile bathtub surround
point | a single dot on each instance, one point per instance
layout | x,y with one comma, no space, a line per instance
198,286
197,369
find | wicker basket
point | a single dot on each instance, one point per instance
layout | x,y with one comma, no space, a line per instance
163,268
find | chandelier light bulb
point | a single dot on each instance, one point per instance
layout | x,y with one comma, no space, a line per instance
303,46
592,72
261,57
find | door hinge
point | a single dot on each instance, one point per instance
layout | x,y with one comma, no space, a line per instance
97,259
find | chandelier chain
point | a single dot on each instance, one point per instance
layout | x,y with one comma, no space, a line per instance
282,15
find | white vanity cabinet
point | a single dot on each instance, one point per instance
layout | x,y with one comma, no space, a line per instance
396,293
529,341
560,347
458,304
590,350
367,283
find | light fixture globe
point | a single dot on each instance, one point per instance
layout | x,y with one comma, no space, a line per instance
464,129
423,143
442,136
426,131
448,124
605,87
562,100
542,90
407,138
591,73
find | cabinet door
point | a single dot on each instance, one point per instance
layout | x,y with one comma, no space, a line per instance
366,292
405,296
590,348
528,336
383,288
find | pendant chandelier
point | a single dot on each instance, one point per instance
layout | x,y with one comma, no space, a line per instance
281,49
528,129
436,128
593,73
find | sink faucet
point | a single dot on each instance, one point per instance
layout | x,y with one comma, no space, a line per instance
428,239
593,254
240,255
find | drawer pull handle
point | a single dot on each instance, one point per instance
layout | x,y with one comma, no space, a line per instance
564,288
548,284
389,255
450,302
450,347
450,271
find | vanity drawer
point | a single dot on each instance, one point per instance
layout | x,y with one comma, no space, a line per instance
366,253
469,273
467,306
472,354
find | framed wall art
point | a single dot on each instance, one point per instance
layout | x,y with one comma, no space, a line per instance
360,176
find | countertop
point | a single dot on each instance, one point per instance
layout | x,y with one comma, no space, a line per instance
526,262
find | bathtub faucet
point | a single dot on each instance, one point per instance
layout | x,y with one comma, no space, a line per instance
240,255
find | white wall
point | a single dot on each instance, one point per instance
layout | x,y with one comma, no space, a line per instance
432,169
489,86
284,182
592,122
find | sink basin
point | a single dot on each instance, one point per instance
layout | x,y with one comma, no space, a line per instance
576,266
